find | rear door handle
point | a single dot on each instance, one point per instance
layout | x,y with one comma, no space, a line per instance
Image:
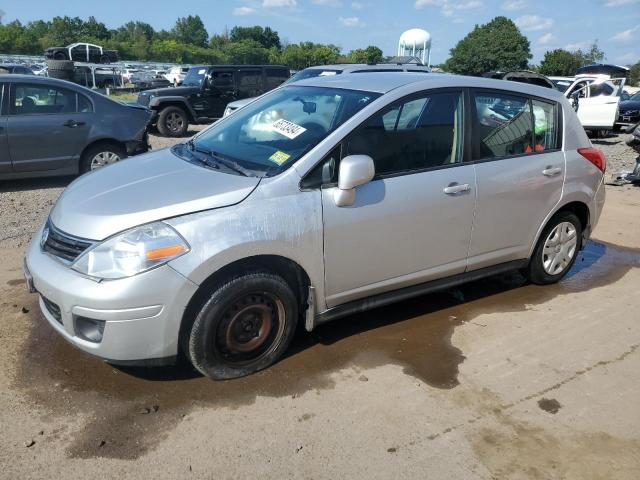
551,171
72,124
456,188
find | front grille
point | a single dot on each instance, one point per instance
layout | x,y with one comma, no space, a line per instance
53,309
62,245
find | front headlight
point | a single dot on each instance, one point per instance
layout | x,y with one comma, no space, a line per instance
132,252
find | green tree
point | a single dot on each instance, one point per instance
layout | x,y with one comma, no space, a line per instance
560,62
246,52
634,75
370,54
593,55
94,30
264,36
190,30
497,45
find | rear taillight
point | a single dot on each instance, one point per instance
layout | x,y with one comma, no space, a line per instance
595,156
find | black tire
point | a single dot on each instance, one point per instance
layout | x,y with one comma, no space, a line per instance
245,326
91,152
60,56
536,271
105,59
173,122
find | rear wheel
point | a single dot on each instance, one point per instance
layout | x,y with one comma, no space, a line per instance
172,122
556,250
245,325
101,155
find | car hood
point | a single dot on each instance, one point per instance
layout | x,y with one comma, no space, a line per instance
173,91
144,189
630,105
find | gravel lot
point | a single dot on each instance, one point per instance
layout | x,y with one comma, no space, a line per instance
496,379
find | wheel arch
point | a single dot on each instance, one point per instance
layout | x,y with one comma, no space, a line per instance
175,102
100,141
291,271
578,207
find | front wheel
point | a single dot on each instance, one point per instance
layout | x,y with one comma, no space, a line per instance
173,122
246,325
556,250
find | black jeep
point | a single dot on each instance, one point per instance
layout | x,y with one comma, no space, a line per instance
205,92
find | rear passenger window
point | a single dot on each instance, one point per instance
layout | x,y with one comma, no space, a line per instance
510,125
420,133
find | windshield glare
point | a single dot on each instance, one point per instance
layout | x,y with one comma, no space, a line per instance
273,132
195,77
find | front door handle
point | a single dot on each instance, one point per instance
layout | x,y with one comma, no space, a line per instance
551,171
72,124
456,188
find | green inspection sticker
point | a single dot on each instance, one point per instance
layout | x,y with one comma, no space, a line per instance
279,157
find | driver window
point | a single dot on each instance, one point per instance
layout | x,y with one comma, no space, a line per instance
424,132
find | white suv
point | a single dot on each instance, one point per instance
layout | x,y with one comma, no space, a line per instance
176,75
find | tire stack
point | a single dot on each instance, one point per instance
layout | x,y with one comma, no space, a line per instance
61,69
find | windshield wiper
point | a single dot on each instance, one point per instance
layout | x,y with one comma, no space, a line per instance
220,160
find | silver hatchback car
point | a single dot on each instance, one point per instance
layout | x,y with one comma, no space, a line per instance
320,199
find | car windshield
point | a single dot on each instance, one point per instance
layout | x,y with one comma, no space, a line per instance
313,72
195,77
273,132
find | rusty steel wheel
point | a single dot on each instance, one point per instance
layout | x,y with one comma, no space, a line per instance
250,327
245,324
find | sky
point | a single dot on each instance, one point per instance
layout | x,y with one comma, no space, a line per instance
548,24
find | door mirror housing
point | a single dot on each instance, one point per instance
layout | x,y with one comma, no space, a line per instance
355,170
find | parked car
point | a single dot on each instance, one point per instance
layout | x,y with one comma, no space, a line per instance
523,76
15,69
323,198
53,127
82,52
562,83
205,92
330,70
127,73
176,75
147,81
629,111
596,99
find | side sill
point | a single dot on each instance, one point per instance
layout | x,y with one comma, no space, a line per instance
406,293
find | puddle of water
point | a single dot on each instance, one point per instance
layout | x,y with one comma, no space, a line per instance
415,334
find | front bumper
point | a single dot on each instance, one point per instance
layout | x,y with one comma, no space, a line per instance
140,315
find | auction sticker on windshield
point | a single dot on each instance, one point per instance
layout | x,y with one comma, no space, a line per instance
288,129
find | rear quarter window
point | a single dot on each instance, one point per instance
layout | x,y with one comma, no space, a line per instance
507,125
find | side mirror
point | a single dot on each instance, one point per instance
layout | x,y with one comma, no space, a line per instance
355,170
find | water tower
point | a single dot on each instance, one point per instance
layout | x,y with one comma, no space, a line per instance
416,43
